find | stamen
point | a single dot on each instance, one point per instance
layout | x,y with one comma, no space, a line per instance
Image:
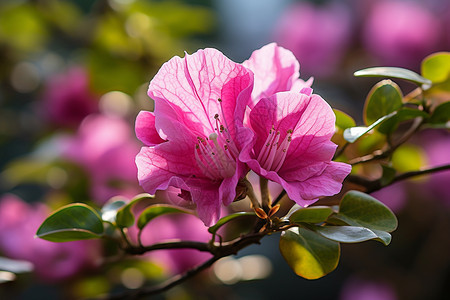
273,154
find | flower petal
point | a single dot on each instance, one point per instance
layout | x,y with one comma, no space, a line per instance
275,69
145,129
193,85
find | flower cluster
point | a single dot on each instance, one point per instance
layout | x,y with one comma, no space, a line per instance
214,120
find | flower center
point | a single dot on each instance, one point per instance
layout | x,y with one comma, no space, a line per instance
273,153
216,154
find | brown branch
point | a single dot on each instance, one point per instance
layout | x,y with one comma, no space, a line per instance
175,244
382,154
166,285
375,185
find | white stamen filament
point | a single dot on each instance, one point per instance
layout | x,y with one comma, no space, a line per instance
216,155
272,155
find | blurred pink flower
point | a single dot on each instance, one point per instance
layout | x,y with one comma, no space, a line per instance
437,145
401,33
67,98
318,35
275,70
394,196
200,102
177,226
293,147
362,289
106,147
19,222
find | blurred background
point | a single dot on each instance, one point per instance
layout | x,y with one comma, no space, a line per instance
74,75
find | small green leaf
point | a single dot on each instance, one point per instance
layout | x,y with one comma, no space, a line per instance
360,209
404,114
309,254
157,210
384,98
343,121
109,210
70,223
388,175
436,67
125,217
313,214
226,219
441,114
393,72
352,234
354,133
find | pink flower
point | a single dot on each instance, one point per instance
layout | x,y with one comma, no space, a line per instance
52,261
194,137
106,147
68,99
276,70
318,35
363,289
293,147
401,33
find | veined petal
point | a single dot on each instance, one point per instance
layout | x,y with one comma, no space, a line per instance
193,85
145,129
275,68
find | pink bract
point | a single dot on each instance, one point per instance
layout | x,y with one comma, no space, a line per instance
276,70
293,147
196,132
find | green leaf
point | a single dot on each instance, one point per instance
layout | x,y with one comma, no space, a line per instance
388,175
157,210
70,223
404,114
354,133
436,67
360,209
352,234
393,72
384,98
313,214
226,219
125,217
109,210
441,114
343,121
309,254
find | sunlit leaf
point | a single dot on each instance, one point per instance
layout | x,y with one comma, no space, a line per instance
313,214
360,209
309,254
343,121
15,266
393,72
436,67
70,223
441,114
404,114
352,234
226,219
354,133
157,210
109,210
384,98
125,217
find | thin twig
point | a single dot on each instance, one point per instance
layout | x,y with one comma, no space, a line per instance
375,185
